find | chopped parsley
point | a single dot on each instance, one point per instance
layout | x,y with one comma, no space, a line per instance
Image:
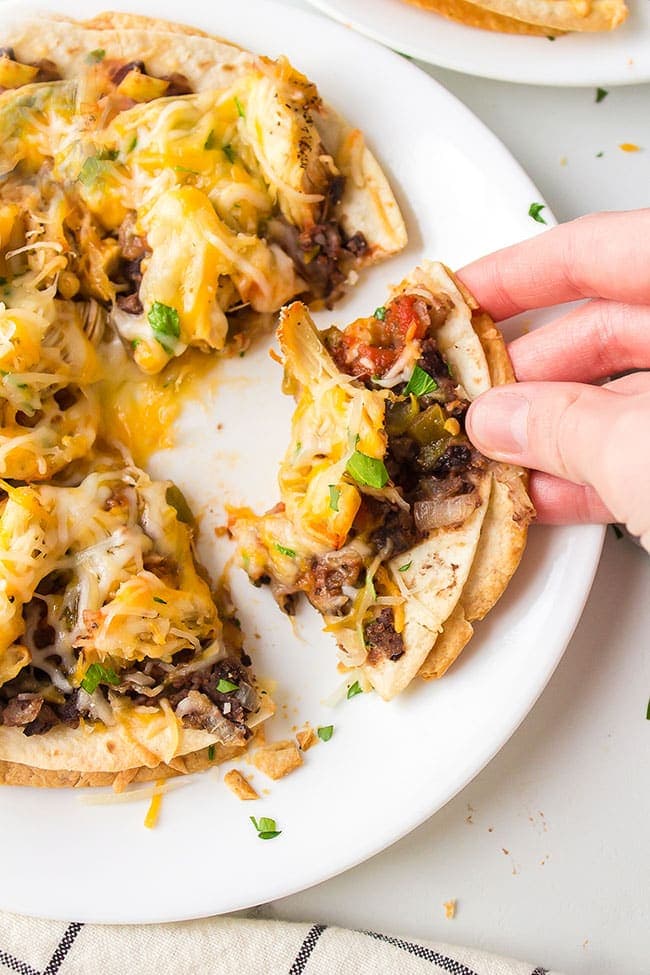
165,325
132,144
157,599
600,94
549,38
335,494
229,152
599,155
647,712
354,689
285,551
325,732
95,167
211,753
420,383
406,566
210,142
98,674
94,57
266,827
135,343
535,211
380,313
240,110
617,531
226,686
367,470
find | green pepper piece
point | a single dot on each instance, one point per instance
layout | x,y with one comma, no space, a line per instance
430,453
400,415
175,497
428,426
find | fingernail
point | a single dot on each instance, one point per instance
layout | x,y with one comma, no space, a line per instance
497,423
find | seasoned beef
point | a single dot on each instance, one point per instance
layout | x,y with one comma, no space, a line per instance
21,710
398,531
178,84
320,253
457,457
328,574
47,718
382,640
432,361
131,274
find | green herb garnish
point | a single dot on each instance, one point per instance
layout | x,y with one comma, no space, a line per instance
420,383
380,313
367,470
211,753
647,712
95,167
406,566
240,110
599,155
535,211
132,144
229,152
600,94
266,827
354,689
157,599
94,57
210,142
335,494
97,674
285,551
226,686
165,325
325,732
135,343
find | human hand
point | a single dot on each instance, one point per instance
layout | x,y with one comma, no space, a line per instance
588,446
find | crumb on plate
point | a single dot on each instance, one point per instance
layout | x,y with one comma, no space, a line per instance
277,759
240,785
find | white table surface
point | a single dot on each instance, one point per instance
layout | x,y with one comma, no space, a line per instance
547,851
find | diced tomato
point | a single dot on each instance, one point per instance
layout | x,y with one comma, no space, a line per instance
370,346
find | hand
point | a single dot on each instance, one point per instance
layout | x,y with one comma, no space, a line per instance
589,445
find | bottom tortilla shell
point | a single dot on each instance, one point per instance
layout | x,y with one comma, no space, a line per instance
112,756
503,534
14,773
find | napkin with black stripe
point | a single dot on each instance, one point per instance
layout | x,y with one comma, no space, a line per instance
216,946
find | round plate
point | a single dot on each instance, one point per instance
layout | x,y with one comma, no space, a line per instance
620,57
388,766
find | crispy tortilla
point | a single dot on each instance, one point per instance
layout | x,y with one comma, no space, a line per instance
473,15
563,15
503,537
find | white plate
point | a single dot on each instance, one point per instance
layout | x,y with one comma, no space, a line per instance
620,57
387,767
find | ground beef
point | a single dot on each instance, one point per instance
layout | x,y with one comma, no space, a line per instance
328,574
432,361
382,640
397,531
131,274
178,84
322,254
21,710
457,457
47,718
118,73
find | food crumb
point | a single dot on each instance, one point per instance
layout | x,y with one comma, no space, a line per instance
239,785
585,944
490,829
277,759
450,909
470,814
629,147
563,161
306,737
503,850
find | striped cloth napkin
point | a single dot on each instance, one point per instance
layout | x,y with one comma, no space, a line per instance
216,946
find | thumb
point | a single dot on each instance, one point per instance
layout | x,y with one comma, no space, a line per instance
585,434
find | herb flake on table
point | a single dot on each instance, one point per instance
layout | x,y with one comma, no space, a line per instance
354,689
325,732
601,93
647,712
535,211
266,827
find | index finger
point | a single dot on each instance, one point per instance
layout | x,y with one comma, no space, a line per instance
604,255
